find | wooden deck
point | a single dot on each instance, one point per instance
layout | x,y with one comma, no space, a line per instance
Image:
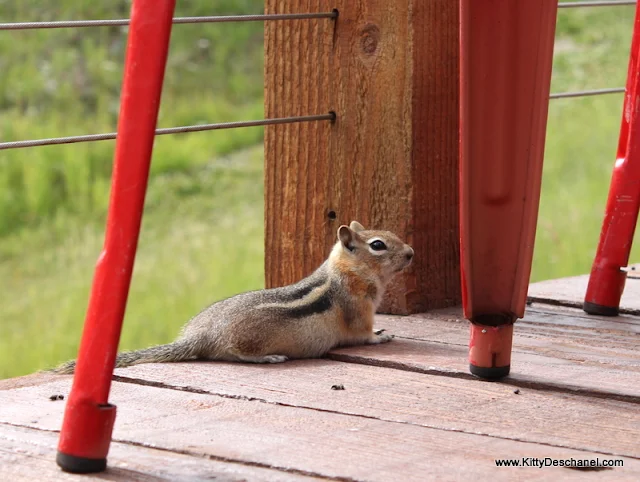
409,409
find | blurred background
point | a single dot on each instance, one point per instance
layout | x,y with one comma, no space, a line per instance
202,234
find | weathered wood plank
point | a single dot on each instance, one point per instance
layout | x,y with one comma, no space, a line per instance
535,370
318,442
25,381
540,313
389,160
571,291
29,455
431,401
558,335
546,350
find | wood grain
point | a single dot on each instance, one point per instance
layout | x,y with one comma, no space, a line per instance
554,350
571,291
532,415
37,378
567,336
28,455
316,442
389,70
409,409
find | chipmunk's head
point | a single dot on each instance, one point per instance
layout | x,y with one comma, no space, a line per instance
378,252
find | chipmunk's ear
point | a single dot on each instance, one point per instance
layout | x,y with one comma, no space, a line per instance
356,226
346,235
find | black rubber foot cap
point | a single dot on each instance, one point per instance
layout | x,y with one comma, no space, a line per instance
492,373
594,309
80,465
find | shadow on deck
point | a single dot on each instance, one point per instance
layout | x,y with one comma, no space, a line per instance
409,409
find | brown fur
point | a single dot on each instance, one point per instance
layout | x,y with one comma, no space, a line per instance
334,306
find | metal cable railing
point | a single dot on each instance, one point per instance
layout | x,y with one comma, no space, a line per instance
592,92
586,93
331,116
243,18
604,3
177,20
233,125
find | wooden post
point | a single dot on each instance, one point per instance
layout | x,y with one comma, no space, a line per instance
389,70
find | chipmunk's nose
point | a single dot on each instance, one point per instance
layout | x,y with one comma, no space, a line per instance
409,254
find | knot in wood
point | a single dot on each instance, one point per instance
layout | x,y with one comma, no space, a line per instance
369,38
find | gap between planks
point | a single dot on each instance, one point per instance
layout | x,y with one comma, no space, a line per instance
574,304
199,391
440,372
509,381
569,292
370,359
556,351
38,447
283,437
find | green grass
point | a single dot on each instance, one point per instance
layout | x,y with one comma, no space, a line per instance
592,51
201,240
202,236
64,82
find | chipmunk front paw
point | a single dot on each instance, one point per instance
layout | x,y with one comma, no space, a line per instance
274,359
263,359
379,337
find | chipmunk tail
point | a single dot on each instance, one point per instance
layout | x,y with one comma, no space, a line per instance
172,352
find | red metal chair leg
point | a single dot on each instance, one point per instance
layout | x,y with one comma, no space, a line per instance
607,278
505,74
89,417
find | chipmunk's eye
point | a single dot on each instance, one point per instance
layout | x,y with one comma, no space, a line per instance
378,245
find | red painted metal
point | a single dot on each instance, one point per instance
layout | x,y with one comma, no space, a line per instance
607,280
490,346
89,418
506,51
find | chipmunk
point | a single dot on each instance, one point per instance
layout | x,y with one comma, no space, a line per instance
334,306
